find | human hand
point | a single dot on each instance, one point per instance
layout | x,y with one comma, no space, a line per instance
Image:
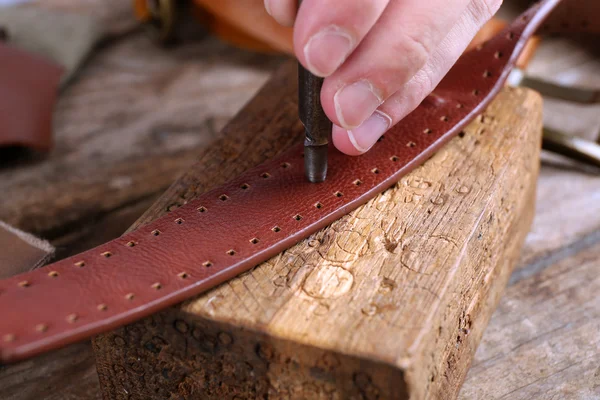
380,58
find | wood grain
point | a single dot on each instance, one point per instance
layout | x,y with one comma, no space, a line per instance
394,297
546,329
542,341
67,374
567,217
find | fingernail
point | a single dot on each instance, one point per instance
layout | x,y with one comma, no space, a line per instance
355,103
268,8
327,50
366,135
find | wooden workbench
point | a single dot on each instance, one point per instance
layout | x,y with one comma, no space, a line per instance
542,341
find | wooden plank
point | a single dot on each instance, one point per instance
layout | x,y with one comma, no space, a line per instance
67,374
323,318
543,340
566,188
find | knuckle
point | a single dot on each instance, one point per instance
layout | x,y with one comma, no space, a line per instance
415,47
483,10
423,84
411,95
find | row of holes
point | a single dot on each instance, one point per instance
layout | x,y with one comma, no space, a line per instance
202,209
266,175
245,186
72,318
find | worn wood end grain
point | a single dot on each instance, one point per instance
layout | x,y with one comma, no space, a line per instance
390,301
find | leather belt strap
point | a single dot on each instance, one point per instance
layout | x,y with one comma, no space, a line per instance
229,230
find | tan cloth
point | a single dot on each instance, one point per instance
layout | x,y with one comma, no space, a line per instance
64,38
43,51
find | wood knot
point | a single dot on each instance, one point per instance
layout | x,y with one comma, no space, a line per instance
119,341
225,338
314,243
180,326
265,351
417,182
365,385
329,362
135,366
387,285
369,310
389,245
155,345
327,282
118,369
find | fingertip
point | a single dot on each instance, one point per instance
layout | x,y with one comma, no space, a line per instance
342,142
360,140
283,11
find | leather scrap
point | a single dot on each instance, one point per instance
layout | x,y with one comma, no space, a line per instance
65,38
28,92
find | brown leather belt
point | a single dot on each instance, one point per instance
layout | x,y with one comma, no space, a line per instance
233,228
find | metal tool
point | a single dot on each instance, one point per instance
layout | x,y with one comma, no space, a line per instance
579,149
581,95
317,126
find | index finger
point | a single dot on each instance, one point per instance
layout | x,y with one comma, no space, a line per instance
283,11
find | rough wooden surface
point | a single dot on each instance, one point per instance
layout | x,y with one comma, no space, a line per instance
546,330
67,374
542,342
567,213
397,293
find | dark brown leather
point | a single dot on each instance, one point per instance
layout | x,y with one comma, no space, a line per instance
28,92
231,229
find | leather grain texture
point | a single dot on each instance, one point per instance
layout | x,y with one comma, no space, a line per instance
229,230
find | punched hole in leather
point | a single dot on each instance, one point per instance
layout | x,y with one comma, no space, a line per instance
265,210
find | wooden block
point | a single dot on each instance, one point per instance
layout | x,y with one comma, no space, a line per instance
390,301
